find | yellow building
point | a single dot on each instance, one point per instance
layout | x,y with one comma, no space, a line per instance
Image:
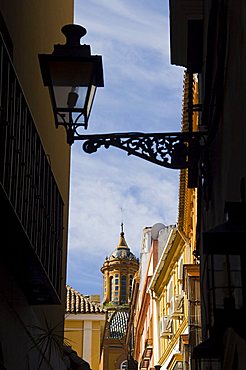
118,272
172,321
84,326
34,190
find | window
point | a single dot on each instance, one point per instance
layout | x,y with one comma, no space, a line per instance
170,298
180,269
116,285
195,324
130,286
111,288
180,275
123,289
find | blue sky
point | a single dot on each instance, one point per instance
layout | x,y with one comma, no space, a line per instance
143,92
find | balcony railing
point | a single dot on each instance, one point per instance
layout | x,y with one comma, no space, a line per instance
26,179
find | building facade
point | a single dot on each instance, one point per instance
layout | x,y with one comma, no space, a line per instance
34,190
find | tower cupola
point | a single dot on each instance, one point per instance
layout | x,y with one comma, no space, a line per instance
118,270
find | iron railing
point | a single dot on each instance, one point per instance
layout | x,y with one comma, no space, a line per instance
26,176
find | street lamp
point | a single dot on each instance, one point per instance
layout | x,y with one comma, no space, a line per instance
72,75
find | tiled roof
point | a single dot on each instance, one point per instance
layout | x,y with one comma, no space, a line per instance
118,324
78,303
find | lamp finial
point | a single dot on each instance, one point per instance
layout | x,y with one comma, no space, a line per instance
73,34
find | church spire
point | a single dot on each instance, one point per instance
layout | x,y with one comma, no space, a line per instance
122,241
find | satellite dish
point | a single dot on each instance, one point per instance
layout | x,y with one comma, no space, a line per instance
156,229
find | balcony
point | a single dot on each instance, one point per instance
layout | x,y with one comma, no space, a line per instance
31,205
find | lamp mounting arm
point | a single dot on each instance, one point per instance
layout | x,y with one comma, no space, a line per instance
176,150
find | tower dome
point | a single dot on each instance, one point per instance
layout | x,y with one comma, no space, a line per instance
118,270
122,250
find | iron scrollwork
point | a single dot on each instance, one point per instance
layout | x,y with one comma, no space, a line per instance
177,150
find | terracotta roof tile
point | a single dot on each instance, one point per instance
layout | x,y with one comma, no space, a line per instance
78,303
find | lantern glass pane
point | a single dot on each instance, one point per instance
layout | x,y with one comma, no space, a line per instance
90,100
67,97
66,100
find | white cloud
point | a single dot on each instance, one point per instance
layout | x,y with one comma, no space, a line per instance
133,23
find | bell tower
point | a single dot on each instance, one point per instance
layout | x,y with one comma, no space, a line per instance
118,272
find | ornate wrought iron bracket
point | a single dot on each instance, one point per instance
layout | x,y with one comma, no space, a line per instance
176,150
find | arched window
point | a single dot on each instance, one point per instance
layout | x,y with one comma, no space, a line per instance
123,289
130,286
111,288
